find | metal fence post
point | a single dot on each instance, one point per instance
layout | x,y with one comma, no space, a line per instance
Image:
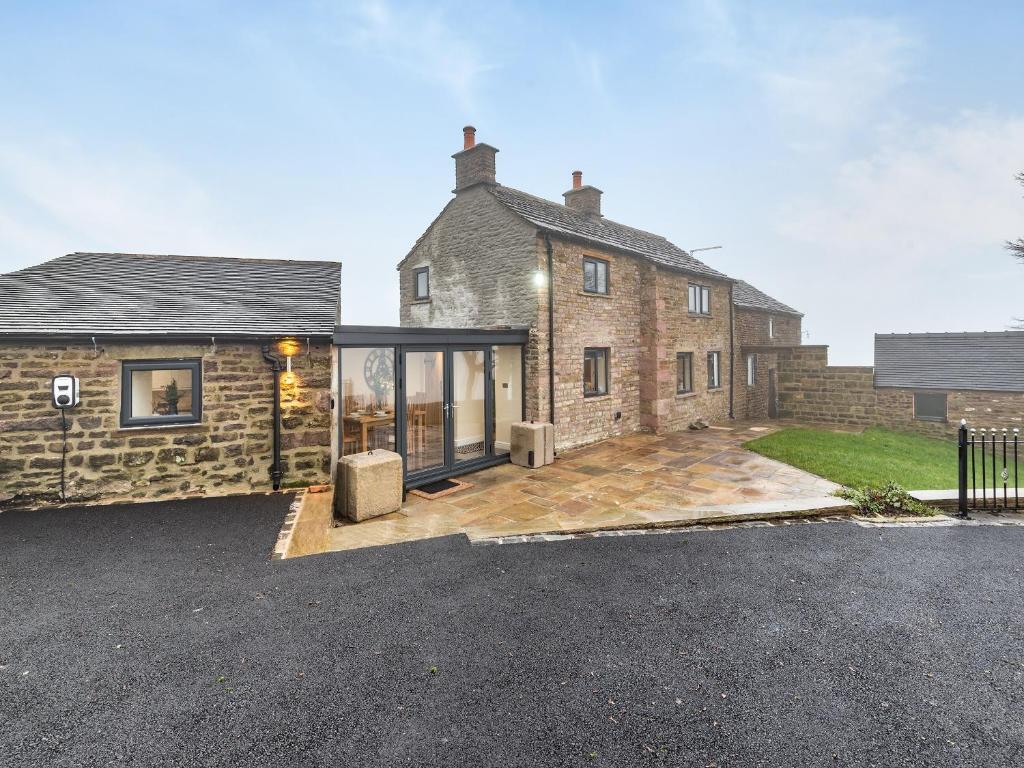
962,468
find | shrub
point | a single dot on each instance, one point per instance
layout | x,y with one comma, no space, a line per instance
890,499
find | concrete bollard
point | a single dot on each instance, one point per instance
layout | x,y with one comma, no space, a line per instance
369,485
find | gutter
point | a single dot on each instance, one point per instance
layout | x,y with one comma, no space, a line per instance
551,330
275,468
732,349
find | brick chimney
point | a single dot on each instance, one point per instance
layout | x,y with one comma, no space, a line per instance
475,163
583,198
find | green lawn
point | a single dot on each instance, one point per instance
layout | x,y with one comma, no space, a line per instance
872,458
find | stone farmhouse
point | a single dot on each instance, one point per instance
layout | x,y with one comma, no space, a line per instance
628,331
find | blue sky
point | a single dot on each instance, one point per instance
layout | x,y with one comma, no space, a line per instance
854,159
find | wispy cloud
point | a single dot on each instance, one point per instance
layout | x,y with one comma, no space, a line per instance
590,69
421,41
820,74
56,196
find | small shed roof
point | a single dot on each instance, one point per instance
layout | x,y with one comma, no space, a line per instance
986,361
133,294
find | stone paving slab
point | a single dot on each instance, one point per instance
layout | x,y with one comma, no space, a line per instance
633,481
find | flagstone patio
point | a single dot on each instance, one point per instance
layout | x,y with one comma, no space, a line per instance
633,481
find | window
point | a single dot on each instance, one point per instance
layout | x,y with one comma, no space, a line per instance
930,406
771,328
699,299
751,370
684,373
367,399
595,275
155,392
714,370
595,372
421,283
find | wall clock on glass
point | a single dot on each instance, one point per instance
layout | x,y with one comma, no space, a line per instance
379,374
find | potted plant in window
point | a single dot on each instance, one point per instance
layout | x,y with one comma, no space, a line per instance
171,396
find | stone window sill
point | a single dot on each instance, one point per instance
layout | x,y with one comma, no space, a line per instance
714,390
158,427
420,301
700,316
596,398
594,295
685,395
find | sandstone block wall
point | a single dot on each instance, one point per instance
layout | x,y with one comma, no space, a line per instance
752,331
229,452
811,390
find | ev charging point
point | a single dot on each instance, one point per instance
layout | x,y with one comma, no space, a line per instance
64,390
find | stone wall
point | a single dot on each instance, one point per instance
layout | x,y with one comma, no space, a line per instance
590,320
752,337
230,451
810,390
481,260
644,323
671,330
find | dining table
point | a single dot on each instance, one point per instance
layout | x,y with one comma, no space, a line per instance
365,421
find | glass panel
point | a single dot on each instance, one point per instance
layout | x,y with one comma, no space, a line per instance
468,404
602,277
422,284
508,395
684,372
424,414
705,301
692,298
367,399
712,370
589,275
751,369
930,406
161,393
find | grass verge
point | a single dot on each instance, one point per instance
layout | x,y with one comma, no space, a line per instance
871,458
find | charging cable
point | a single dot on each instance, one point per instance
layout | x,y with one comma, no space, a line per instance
63,454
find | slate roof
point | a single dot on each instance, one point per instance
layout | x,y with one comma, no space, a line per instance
557,218
117,294
747,296
991,362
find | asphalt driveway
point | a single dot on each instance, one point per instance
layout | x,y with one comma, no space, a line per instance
162,634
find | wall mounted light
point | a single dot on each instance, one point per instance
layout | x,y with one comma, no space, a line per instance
539,278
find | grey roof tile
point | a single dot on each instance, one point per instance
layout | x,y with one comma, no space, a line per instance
746,295
554,217
89,294
991,362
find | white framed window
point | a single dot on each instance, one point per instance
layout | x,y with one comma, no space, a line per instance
684,373
714,370
771,327
751,370
699,299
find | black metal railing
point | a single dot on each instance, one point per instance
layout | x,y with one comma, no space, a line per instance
987,464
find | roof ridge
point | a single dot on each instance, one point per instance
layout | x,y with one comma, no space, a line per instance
188,257
571,212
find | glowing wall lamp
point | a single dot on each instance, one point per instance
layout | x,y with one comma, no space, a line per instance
539,278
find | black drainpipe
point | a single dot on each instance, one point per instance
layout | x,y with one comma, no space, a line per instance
732,348
551,331
275,469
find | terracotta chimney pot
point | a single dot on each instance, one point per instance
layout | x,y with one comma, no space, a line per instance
577,179
468,137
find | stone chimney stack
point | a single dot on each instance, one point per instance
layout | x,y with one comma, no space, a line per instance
583,198
475,163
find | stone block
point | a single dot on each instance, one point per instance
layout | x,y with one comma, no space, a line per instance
532,444
369,485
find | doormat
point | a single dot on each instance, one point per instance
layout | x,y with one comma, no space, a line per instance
440,488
